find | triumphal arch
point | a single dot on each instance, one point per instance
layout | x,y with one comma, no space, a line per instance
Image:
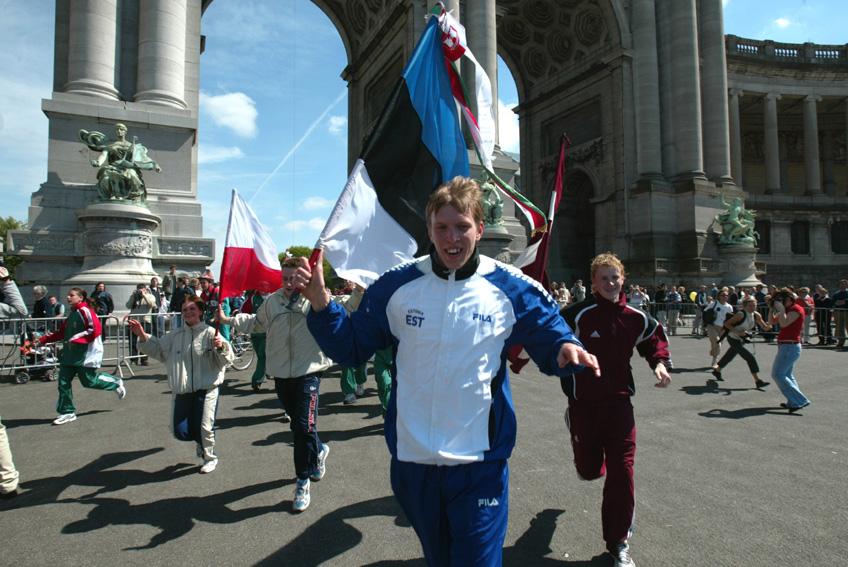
670,120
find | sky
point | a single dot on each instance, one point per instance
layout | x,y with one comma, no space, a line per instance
273,109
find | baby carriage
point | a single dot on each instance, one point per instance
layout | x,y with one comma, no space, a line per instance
37,361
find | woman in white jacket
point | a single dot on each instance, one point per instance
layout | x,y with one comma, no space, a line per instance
196,358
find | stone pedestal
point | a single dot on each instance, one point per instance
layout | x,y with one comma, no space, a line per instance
117,242
739,266
495,244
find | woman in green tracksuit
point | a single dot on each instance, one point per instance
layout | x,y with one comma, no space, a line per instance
82,354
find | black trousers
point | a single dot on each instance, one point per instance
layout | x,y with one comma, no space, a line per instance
299,397
738,347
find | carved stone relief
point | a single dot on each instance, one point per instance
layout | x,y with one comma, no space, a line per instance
547,36
184,248
128,245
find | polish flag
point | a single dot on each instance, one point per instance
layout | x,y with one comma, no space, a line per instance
250,256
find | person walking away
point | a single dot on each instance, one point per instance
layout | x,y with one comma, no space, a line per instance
723,311
702,299
170,281
81,355
450,318
840,313
738,330
673,301
599,415
790,316
179,295
140,304
196,358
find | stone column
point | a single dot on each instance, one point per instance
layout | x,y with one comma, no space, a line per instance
481,32
647,91
811,145
735,136
771,149
828,183
92,39
686,89
161,52
714,92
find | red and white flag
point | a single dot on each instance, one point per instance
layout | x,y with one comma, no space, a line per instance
250,256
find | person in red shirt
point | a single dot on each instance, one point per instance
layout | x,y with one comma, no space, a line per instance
600,415
789,314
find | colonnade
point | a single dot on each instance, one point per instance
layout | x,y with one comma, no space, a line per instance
94,38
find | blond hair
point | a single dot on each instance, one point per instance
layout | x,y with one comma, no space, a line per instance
606,259
461,193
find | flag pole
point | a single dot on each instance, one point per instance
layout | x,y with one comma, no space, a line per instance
224,259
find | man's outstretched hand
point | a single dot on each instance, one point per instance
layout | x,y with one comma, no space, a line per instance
570,353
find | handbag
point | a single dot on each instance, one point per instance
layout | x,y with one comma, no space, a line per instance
709,314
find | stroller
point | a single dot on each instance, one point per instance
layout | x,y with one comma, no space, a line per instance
37,361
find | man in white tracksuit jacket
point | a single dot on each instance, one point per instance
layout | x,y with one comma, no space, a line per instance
450,317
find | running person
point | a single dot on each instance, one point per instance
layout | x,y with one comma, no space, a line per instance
600,414
450,318
82,354
738,328
196,357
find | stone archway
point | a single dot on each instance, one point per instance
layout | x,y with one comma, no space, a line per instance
574,231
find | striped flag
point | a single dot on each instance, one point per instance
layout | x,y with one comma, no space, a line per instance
416,146
250,255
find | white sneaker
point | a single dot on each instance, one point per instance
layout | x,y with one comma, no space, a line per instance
286,418
321,469
349,399
301,495
121,391
64,418
621,555
209,466
360,391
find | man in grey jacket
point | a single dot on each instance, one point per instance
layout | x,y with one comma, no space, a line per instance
297,364
11,307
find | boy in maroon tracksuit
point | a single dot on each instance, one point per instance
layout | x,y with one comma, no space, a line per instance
599,414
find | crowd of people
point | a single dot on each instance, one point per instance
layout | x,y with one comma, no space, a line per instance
439,329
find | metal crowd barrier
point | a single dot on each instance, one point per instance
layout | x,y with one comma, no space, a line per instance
23,359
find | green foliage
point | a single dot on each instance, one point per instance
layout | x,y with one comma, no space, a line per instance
7,224
330,276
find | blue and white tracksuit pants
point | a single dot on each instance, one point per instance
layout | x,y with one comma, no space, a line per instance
459,512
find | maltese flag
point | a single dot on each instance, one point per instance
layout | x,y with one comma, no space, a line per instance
250,256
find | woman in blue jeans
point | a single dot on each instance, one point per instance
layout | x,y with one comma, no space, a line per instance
790,316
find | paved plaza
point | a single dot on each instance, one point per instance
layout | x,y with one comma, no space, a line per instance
723,477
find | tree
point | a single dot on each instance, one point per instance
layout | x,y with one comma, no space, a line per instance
330,275
7,224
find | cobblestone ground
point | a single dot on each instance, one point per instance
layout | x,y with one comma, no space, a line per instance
723,477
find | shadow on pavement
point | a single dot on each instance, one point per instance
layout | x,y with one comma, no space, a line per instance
711,387
326,436
175,517
332,535
12,423
47,490
744,412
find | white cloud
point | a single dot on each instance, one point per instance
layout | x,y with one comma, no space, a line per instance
315,223
313,203
508,127
235,111
783,22
337,125
213,154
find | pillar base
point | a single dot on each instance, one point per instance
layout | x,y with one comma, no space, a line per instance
160,97
92,88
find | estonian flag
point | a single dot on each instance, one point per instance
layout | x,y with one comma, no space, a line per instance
417,144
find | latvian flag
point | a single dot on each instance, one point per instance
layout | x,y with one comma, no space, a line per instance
250,256
417,144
